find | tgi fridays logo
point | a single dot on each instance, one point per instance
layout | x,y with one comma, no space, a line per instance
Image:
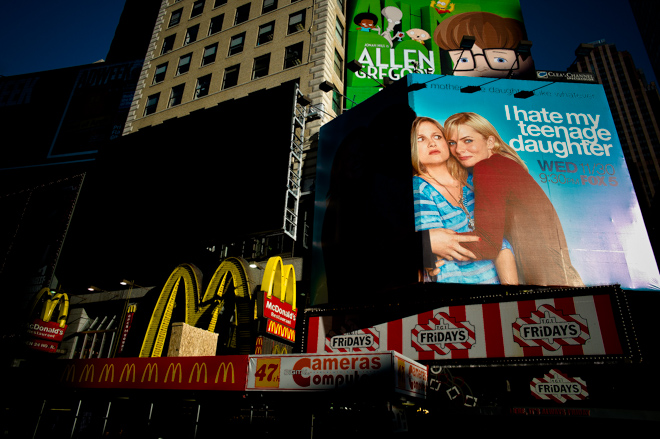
443,334
558,387
550,329
363,340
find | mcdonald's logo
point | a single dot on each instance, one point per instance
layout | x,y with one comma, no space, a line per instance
151,368
173,368
109,371
225,367
86,372
231,275
128,368
69,373
199,368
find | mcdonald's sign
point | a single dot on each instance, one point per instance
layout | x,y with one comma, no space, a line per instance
231,275
279,289
228,372
199,368
44,334
128,369
279,330
152,368
173,367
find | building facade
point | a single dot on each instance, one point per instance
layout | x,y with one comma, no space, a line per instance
203,52
631,101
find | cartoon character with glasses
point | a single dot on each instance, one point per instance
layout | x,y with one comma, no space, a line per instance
493,54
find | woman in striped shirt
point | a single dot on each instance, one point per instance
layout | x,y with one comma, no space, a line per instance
444,199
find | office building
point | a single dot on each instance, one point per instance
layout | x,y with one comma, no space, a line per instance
203,52
631,100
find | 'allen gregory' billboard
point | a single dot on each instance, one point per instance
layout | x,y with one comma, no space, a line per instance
539,184
392,39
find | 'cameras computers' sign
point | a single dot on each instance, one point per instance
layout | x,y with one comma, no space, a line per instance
571,218
393,39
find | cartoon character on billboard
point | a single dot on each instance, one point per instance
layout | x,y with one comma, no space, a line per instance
508,204
442,7
366,21
419,35
393,16
443,198
494,52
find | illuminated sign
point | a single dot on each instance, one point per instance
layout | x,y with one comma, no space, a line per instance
279,289
193,373
336,371
558,387
392,40
231,274
356,341
573,326
279,330
45,335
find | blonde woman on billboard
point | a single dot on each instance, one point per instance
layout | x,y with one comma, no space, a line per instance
508,205
493,54
443,199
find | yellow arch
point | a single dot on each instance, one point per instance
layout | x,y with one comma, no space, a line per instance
58,301
280,280
230,273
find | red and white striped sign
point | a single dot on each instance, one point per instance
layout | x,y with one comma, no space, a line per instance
557,387
568,326
363,340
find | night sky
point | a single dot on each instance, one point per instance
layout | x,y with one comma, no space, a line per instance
48,35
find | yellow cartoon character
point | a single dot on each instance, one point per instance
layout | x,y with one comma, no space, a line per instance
442,7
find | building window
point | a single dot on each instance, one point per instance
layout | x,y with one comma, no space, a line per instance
336,102
339,65
197,9
175,18
159,76
168,44
203,85
340,3
209,54
152,103
177,95
339,31
242,14
231,76
269,5
296,22
266,33
293,55
219,3
236,44
184,64
216,24
191,35
260,68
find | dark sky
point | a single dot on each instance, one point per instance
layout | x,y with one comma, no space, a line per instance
44,35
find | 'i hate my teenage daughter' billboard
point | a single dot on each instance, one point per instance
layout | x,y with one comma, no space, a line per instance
536,189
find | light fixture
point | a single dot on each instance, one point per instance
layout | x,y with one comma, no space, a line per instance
524,94
327,86
355,66
476,88
467,42
304,100
93,288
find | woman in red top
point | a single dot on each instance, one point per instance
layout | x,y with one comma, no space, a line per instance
508,204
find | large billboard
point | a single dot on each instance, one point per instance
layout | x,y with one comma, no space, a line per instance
392,39
571,218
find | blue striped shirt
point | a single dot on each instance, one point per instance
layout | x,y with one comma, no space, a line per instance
433,211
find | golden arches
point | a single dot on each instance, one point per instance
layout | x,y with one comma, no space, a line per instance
231,274
58,301
280,280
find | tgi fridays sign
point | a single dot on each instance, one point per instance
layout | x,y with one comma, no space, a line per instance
558,387
575,326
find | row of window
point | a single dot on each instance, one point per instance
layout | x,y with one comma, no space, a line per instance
242,12
260,68
266,32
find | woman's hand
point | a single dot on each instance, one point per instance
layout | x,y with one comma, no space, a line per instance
446,244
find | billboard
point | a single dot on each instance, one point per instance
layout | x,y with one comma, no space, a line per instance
392,39
304,372
581,326
572,217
